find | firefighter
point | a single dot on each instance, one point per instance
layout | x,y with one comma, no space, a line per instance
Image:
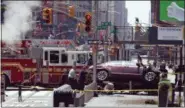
72,78
64,77
81,81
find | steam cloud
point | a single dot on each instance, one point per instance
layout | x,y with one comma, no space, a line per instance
18,18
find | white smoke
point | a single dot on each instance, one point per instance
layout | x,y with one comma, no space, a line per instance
17,20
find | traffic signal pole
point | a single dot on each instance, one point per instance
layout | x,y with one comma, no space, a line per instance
106,36
54,18
184,61
95,37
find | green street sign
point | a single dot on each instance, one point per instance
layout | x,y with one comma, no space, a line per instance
106,24
104,27
109,23
101,27
102,23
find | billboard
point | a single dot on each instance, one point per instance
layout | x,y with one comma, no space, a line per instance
171,10
170,33
165,35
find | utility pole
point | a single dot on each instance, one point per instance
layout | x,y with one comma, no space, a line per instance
180,75
184,59
107,35
95,46
54,18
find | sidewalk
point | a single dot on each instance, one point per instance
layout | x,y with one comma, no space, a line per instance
124,100
120,100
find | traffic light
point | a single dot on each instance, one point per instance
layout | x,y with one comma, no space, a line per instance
71,11
47,15
88,19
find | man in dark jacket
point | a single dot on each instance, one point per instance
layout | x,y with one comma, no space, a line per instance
90,61
163,69
64,78
82,78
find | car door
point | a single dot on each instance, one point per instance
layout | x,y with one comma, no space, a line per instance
117,70
131,71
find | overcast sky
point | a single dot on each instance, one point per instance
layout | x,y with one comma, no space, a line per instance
138,9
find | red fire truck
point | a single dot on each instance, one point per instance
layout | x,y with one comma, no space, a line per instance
41,61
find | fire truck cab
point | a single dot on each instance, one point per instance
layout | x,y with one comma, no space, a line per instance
61,57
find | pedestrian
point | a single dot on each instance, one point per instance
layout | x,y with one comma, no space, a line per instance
82,78
90,61
64,77
72,78
20,92
163,69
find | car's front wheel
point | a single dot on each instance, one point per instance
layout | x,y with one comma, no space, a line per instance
149,77
102,75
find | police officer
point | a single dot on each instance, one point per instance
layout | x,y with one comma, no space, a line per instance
163,69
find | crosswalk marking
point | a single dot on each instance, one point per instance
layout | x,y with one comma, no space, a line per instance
43,93
11,93
27,93
51,94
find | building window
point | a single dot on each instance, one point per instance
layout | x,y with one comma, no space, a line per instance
83,14
54,57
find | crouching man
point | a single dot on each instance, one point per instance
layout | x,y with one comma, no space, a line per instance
109,87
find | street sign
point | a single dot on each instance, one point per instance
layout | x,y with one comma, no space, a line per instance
106,24
101,27
99,42
129,46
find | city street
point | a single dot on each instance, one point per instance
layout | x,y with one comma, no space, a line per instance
92,53
45,99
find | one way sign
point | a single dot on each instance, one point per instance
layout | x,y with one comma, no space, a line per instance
99,42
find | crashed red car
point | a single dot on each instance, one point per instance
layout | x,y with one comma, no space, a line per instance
125,71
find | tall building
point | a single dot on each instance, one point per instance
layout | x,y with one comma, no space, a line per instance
63,26
116,13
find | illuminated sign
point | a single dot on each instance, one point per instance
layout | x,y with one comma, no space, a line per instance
171,10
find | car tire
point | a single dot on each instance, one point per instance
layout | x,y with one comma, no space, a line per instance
149,77
102,75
